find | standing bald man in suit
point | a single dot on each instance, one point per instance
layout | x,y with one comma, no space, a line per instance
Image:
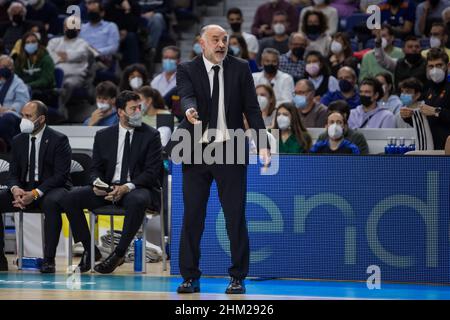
216,90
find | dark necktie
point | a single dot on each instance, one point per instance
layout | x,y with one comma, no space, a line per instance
215,99
32,166
125,159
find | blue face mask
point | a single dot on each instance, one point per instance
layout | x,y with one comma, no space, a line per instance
197,48
407,99
300,101
31,48
236,50
169,65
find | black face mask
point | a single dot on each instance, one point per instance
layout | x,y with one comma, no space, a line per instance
71,33
413,58
366,101
236,27
395,3
298,52
270,68
17,18
314,29
94,17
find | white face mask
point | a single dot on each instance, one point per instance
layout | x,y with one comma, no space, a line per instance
279,28
336,47
437,75
103,106
136,83
263,102
335,131
26,126
384,43
435,42
135,120
283,122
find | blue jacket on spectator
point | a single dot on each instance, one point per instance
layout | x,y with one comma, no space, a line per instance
346,147
17,95
110,120
329,97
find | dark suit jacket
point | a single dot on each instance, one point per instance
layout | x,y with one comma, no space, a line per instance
145,159
239,93
55,157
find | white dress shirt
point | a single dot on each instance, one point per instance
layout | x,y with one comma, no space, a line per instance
163,85
222,130
282,84
120,147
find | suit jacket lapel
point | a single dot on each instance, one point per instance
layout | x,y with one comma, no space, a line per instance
25,158
226,84
115,146
135,147
42,150
204,81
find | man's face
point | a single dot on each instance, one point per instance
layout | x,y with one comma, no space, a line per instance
438,63
385,34
29,111
412,92
335,118
269,59
302,89
279,18
170,54
215,44
298,42
131,108
344,74
234,18
17,10
367,91
412,46
92,6
439,32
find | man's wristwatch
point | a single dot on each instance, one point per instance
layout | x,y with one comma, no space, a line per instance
437,111
35,194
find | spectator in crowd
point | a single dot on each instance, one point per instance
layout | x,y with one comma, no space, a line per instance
410,115
330,13
318,73
400,14
389,100
152,104
282,83
293,136
364,4
126,15
446,21
370,114
355,137
347,89
341,53
4,4
71,54
154,12
166,80
262,21
35,67
336,143
235,20
102,35
196,47
134,77
279,40
106,113
345,8
412,65
427,13
369,65
16,27
292,61
267,103
313,114
14,95
39,30
238,48
437,97
45,12
438,38
314,26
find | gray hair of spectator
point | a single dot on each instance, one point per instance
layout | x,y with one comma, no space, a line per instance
346,68
8,59
445,12
174,49
271,51
17,4
41,108
296,34
309,84
210,26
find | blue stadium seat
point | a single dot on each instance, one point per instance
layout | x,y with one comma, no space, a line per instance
354,44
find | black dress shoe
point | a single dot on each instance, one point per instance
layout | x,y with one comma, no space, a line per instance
189,286
110,263
236,286
3,263
85,262
48,266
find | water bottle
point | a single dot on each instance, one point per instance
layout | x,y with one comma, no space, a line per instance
402,149
393,148
30,263
387,147
412,145
138,254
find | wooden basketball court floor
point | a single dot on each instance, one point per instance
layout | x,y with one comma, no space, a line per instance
124,284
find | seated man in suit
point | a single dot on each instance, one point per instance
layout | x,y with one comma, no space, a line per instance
128,156
39,175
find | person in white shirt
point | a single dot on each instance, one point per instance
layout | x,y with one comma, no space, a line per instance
281,82
71,54
235,20
166,80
